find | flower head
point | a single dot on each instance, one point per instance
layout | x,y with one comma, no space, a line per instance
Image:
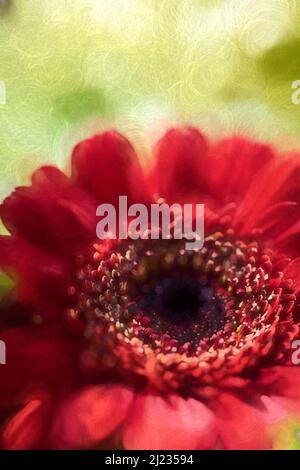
144,344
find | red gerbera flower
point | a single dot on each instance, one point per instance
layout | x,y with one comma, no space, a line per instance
142,344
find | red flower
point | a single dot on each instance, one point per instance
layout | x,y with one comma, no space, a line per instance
143,344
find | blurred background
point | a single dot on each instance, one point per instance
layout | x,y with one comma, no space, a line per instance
72,67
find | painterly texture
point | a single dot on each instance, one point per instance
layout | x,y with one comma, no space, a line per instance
142,344
141,66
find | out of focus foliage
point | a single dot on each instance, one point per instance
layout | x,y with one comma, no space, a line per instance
72,67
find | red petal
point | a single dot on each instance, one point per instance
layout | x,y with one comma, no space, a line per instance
172,423
272,202
235,162
181,159
51,213
90,416
240,425
41,273
26,429
279,388
36,356
280,380
275,409
107,165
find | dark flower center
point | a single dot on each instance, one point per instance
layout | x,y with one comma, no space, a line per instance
154,309
184,307
178,300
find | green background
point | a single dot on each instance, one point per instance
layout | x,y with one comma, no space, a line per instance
73,67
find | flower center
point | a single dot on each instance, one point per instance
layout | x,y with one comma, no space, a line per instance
177,300
183,307
154,309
